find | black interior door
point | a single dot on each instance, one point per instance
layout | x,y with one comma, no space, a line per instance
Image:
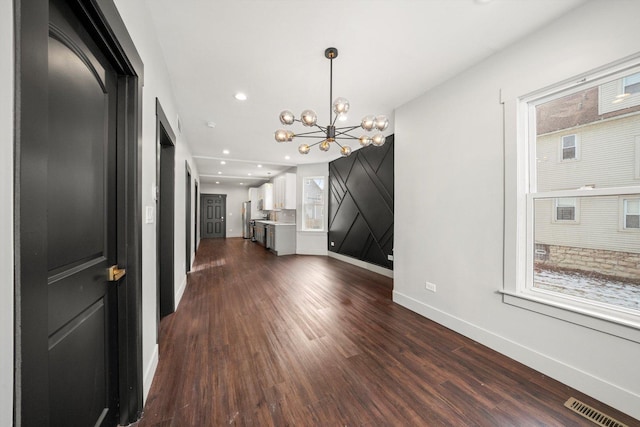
214,208
81,226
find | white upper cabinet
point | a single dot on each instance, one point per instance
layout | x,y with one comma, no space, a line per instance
284,191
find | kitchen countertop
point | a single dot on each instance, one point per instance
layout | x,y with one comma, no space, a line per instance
264,221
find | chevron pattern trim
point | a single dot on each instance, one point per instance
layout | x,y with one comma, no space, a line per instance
361,204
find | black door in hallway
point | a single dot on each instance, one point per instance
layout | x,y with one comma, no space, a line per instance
214,209
81,227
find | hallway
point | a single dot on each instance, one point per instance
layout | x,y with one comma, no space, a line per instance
260,340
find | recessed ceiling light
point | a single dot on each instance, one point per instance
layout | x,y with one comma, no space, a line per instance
219,173
259,166
222,162
249,173
211,124
225,151
240,96
242,183
287,157
217,182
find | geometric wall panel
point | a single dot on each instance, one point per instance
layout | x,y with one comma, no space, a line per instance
361,204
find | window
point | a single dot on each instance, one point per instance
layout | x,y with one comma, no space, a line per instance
569,147
572,255
631,84
313,203
565,209
631,214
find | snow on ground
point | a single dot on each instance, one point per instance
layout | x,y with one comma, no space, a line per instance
613,292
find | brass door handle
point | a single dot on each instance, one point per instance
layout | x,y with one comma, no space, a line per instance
114,273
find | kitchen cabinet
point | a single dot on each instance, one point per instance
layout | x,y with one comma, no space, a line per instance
265,197
279,238
253,197
284,191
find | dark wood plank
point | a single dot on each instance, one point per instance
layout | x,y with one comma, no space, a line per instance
260,340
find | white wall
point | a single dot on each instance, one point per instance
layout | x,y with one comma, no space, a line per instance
6,212
157,84
449,167
236,194
311,242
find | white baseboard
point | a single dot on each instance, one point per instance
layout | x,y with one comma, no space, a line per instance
149,373
180,291
362,264
612,395
321,252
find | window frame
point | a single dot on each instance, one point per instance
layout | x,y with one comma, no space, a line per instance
520,196
303,225
624,202
625,85
576,211
576,148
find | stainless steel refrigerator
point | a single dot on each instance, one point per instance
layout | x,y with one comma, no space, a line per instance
246,220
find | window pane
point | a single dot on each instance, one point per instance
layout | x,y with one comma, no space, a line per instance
593,259
632,207
632,84
313,203
597,126
569,141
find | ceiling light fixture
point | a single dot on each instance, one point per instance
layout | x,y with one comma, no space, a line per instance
240,96
222,162
225,151
331,133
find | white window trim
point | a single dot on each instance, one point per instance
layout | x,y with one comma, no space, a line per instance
324,205
561,149
623,86
520,194
554,213
637,175
623,214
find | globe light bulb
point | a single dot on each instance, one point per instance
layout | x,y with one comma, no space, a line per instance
378,139
341,106
281,135
325,145
365,140
304,149
382,123
290,136
309,118
345,150
368,123
287,117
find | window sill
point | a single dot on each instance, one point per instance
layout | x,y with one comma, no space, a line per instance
622,325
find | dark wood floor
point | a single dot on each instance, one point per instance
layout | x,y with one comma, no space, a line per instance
260,340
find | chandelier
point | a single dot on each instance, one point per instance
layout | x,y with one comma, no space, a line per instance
331,134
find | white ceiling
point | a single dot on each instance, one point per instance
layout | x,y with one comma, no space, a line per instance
390,51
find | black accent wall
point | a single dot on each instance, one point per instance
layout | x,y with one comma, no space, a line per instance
361,204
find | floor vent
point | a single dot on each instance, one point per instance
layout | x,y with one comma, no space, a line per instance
592,414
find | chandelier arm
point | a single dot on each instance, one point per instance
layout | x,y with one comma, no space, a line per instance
316,143
346,133
347,137
311,133
310,136
347,128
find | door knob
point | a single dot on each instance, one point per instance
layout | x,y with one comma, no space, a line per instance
114,273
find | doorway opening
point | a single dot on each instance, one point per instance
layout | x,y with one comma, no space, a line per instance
166,149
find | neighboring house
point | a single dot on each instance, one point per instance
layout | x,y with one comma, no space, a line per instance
590,140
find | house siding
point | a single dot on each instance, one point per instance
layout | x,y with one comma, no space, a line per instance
607,156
